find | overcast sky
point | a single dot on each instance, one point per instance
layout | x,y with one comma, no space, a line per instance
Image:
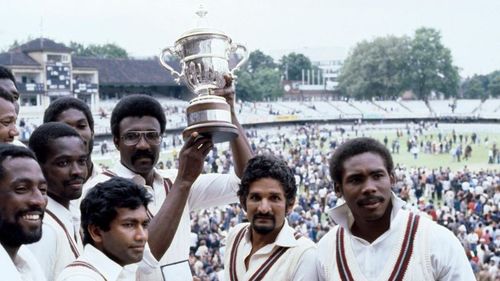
471,29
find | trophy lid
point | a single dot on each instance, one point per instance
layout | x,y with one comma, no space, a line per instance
202,12
202,31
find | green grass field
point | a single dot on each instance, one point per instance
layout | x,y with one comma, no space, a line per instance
478,161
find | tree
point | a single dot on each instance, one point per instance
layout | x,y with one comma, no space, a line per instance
375,68
14,45
263,84
292,65
17,43
109,50
494,84
257,59
79,49
259,79
431,67
476,87
482,86
387,66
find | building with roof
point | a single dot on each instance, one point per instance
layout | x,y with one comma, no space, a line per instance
46,70
315,83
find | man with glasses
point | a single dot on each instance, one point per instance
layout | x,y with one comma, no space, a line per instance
137,123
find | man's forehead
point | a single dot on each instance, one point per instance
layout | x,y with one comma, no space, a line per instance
367,161
7,110
139,123
10,87
266,186
72,113
352,171
15,166
140,213
7,84
71,143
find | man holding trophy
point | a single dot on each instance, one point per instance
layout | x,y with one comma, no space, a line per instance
137,124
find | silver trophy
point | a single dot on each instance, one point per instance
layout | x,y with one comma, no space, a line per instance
204,59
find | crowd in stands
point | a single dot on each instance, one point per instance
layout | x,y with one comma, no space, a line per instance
464,201
265,112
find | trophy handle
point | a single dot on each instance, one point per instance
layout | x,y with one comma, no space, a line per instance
166,65
235,47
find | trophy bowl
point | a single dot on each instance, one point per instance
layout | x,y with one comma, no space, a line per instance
204,58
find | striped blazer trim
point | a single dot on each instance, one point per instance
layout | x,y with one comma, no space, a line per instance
87,265
72,245
402,261
167,185
261,272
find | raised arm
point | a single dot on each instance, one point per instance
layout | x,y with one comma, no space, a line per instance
164,225
240,146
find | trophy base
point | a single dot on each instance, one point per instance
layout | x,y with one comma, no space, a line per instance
219,132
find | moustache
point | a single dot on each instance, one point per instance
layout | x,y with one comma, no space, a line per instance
263,216
370,200
73,180
33,209
142,154
138,245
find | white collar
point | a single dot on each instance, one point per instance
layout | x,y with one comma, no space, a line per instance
69,217
106,266
342,215
9,269
24,264
124,172
285,238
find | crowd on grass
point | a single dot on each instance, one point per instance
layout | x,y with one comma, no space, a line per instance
464,201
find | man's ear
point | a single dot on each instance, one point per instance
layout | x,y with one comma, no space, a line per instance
116,141
243,203
392,178
95,234
289,206
338,189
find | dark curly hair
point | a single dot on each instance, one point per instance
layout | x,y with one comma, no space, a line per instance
355,147
12,151
45,134
267,166
64,103
136,106
5,73
99,205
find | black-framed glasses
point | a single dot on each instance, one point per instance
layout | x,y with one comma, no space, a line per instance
133,137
